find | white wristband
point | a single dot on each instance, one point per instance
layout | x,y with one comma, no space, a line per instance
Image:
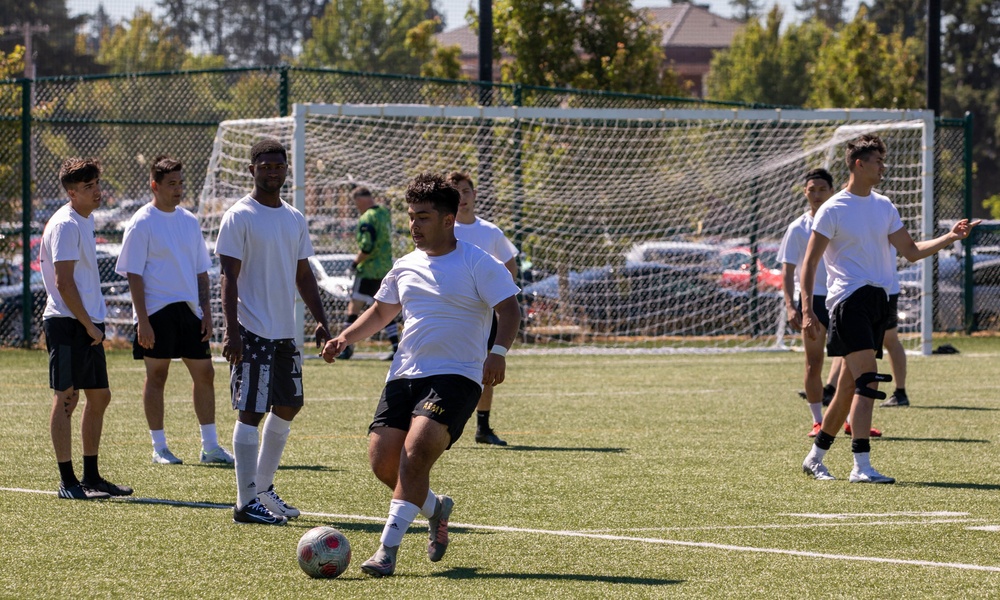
498,349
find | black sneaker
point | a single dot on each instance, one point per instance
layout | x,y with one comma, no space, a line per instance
255,512
488,437
103,485
78,492
897,398
346,353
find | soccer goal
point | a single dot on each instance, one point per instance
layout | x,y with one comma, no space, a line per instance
646,230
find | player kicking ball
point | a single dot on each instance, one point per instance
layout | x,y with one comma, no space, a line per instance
447,291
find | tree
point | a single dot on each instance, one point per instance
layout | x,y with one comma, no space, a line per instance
11,66
861,68
909,17
365,35
142,44
745,10
767,66
534,41
435,61
55,51
829,12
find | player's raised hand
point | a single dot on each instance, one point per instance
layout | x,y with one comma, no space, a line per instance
963,228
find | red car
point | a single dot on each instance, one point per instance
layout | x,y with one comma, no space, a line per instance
736,269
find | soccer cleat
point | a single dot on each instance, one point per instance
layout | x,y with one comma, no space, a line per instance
165,457
817,470
871,433
815,430
346,353
217,455
869,476
273,502
437,527
488,437
897,398
78,492
382,563
802,394
103,485
257,513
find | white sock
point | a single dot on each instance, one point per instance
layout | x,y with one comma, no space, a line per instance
245,452
430,504
209,437
159,439
816,454
817,411
401,514
272,445
862,461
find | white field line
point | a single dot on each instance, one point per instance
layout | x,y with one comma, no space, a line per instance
596,536
799,525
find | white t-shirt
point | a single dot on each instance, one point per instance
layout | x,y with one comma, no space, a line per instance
793,251
447,310
859,252
269,242
487,236
168,251
69,236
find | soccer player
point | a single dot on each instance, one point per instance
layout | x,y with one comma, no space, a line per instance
73,322
818,189
264,247
897,354
447,291
470,228
855,228
372,262
166,262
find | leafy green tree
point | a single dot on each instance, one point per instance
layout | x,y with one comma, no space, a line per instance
435,61
766,65
745,10
534,41
861,68
365,35
830,12
909,17
142,44
11,66
55,51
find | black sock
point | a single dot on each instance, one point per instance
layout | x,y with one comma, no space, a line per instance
90,472
859,446
823,440
900,391
829,389
67,475
483,420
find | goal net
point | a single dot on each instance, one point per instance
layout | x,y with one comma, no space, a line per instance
638,230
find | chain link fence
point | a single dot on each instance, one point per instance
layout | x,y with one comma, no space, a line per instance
126,120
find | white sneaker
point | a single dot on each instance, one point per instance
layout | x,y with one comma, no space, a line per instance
817,470
276,505
869,476
165,457
217,455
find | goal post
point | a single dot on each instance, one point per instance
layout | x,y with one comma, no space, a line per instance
640,230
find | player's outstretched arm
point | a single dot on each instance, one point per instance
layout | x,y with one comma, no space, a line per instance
368,324
914,251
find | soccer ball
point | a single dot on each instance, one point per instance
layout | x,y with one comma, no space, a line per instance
324,552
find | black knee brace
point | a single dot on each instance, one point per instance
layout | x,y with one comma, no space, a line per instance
861,385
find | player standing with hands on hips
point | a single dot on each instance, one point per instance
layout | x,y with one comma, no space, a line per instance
853,231
264,251
447,291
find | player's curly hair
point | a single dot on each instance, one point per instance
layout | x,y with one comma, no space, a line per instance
860,148
162,165
267,146
78,170
434,189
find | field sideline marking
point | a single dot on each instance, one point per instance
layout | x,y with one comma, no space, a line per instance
797,525
579,534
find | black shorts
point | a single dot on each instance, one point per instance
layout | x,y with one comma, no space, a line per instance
177,333
858,323
364,289
446,399
892,319
819,309
74,362
270,374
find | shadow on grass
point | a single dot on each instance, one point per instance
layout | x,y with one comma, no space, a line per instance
982,408
610,450
935,440
459,573
951,485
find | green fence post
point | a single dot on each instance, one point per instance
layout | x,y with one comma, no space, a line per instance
970,324
283,91
26,297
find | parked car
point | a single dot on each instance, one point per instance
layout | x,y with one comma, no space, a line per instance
736,268
676,253
335,281
11,306
951,291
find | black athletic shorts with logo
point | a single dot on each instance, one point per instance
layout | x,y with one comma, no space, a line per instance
270,374
74,361
858,322
446,399
176,333
819,309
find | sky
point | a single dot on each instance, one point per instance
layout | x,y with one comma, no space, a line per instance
454,10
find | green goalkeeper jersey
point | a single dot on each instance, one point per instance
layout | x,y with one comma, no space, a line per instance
373,239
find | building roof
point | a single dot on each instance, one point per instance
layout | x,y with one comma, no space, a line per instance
683,24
